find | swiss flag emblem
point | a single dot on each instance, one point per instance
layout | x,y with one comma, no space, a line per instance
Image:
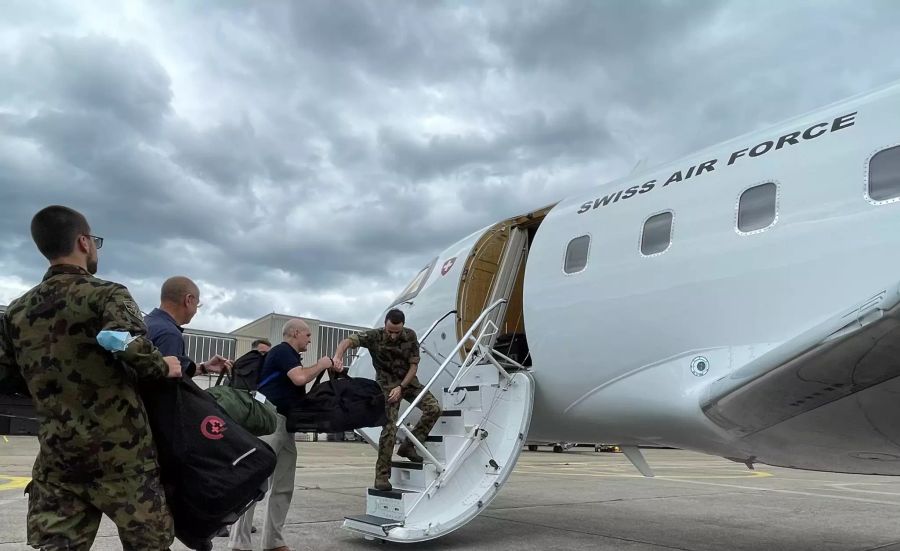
447,266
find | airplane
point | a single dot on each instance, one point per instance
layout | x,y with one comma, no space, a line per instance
742,302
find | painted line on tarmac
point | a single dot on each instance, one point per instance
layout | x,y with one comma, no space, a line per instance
844,488
594,474
780,491
611,468
13,482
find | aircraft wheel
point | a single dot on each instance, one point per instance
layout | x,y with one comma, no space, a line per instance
557,448
532,447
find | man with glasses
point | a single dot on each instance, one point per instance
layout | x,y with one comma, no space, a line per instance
179,301
78,344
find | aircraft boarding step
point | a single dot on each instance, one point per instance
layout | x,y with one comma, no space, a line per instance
469,454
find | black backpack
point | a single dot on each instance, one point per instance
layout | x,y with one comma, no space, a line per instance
12,384
245,371
212,469
339,405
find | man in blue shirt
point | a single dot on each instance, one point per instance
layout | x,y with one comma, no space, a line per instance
283,380
178,303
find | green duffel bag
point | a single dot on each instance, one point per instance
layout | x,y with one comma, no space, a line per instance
257,417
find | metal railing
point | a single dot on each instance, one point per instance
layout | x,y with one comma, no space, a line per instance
440,371
475,437
424,348
433,325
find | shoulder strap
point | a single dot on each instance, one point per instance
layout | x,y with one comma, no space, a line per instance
268,379
319,378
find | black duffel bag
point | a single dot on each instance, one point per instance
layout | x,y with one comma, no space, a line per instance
212,469
338,405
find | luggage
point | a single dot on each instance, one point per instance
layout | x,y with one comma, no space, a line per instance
339,405
17,412
11,382
259,418
245,371
211,468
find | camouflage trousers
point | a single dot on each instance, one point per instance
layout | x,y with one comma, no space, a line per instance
431,412
65,516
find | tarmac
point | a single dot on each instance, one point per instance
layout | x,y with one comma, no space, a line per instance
578,499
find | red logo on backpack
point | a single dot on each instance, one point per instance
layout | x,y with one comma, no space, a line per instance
213,428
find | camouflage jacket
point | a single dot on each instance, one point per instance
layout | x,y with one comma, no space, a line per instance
391,359
92,423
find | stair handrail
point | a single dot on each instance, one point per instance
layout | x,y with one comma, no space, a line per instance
446,362
433,325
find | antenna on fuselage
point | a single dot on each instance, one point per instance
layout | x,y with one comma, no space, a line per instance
637,165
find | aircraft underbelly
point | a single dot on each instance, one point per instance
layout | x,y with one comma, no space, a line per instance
855,434
834,407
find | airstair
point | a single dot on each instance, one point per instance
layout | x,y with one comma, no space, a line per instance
470,452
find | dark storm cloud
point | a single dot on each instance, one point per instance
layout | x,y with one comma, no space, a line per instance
420,42
525,141
93,74
571,37
311,157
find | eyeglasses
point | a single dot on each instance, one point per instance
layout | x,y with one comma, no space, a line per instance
98,241
199,304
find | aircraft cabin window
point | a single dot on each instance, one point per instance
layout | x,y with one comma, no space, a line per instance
884,175
577,254
757,208
657,234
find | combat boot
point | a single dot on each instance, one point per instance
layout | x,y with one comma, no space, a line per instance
383,483
408,451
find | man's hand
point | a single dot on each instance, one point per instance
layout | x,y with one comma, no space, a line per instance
338,363
395,395
327,363
174,366
217,364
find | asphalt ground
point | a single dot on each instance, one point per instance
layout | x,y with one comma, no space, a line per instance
578,499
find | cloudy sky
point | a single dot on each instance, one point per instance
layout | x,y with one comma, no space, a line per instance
310,157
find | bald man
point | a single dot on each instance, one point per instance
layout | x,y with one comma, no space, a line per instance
282,381
179,301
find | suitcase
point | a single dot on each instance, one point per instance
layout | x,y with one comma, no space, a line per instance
338,405
211,468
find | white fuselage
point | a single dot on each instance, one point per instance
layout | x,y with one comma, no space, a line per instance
613,345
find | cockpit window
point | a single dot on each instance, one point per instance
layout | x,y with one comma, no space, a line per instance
416,284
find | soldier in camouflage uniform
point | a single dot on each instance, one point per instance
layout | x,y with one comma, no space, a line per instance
395,356
96,452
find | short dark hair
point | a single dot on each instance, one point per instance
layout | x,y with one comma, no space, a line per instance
54,230
255,344
395,316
